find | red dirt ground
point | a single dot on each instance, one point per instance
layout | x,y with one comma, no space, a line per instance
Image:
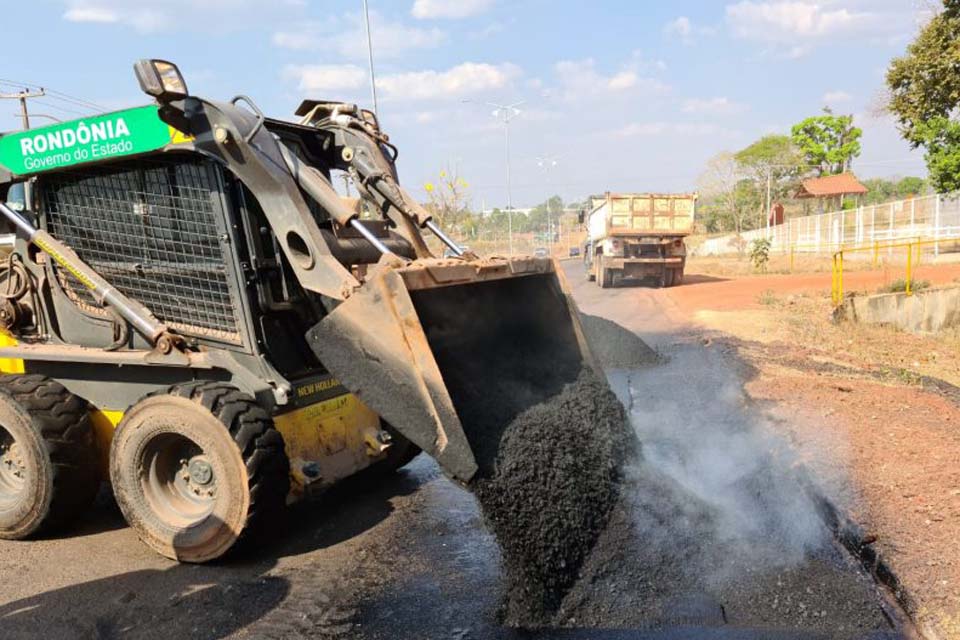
703,291
855,401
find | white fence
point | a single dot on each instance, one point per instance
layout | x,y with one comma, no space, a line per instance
935,217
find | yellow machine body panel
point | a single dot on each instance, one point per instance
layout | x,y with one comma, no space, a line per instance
326,440
104,423
9,365
329,440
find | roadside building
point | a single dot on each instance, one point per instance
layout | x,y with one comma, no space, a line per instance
829,191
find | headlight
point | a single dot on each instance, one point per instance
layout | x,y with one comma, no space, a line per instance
160,79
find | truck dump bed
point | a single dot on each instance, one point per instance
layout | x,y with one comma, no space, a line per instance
642,214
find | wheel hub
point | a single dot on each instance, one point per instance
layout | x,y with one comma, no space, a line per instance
200,471
13,465
178,479
196,479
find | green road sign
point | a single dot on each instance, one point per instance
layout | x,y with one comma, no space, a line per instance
86,140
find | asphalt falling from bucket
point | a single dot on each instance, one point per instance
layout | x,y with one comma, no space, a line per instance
550,492
548,435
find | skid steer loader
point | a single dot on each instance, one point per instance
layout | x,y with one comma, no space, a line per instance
192,312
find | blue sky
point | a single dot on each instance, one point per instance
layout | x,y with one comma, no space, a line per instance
619,95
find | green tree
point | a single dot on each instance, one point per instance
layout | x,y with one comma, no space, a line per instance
760,254
778,155
775,161
911,186
884,190
545,215
828,142
925,94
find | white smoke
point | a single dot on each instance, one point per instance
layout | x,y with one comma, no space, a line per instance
712,469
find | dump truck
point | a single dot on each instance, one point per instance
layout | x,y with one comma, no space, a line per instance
638,235
191,312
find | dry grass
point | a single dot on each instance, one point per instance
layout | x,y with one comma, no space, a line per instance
807,322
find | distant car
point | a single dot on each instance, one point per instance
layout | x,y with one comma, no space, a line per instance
574,252
541,252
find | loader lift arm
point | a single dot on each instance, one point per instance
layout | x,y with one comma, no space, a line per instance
365,158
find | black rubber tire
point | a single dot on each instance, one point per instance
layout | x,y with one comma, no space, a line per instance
237,441
55,443
678,277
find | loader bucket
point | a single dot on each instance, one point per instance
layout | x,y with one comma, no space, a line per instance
449,352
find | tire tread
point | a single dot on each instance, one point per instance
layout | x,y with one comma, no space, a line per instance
63,421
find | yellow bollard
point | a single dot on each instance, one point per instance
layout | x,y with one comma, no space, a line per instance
791,258
909,268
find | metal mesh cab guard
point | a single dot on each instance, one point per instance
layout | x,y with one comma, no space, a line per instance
153,228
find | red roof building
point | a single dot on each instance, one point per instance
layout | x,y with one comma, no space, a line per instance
843,184
828,188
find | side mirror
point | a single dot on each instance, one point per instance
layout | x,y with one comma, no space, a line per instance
161,79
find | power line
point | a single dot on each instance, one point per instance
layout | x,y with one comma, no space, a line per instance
58,95
51,105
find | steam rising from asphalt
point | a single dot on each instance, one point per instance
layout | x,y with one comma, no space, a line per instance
711,474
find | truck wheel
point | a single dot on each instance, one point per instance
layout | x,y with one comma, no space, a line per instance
48,459
678,277
196,469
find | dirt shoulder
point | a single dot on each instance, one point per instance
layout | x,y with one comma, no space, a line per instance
876,413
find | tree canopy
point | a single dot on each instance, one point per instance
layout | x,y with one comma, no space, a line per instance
925,93
774,154
884,190
828,142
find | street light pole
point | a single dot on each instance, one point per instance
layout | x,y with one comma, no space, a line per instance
547,163
505,113
506,138
373,81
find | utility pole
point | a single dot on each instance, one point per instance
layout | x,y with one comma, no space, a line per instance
23,96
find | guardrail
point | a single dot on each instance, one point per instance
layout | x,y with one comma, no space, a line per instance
836,286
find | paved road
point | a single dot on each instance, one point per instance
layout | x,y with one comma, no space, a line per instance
721,548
